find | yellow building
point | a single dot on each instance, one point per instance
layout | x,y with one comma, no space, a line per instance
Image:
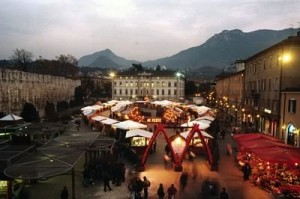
290,121
267,73
229,95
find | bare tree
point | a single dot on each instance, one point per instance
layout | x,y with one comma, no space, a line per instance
67,59
22,58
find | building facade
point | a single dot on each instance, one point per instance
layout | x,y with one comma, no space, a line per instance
230,95
151,84
290,110
18,87
267,73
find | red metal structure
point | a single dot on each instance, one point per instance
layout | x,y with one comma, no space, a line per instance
178,157
196,129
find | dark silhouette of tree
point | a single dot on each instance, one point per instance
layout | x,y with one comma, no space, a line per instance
138,67
62,106
29,113
158,68
54,67
22,59
50,113
79,96
190,88
67,59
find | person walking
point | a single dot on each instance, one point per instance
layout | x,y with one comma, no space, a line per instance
160,191
246,171
106,181
64,194
183,181
224,194
146,186
171,191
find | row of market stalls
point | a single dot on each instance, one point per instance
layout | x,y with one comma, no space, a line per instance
137,134
275,166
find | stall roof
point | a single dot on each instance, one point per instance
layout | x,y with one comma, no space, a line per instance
205,134
57,156
129,124
138,132
11,117
99,118
109,121
201,124
206,117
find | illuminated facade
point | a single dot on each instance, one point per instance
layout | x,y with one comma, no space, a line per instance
230,95
290,110
151,84
267,74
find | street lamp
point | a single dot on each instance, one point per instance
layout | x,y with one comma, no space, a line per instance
112,75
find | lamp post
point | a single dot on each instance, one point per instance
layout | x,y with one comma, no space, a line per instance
112,75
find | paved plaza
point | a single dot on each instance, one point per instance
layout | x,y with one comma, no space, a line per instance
228,176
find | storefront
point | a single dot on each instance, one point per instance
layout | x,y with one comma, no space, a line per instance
292,135
139,140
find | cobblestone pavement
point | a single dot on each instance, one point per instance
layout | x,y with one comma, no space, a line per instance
228,176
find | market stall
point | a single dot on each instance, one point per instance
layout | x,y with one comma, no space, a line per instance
275,166
123,127
139,139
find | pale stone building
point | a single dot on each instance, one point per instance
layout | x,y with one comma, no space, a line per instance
18,87
152,84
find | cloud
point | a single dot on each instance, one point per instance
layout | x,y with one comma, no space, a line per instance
134,29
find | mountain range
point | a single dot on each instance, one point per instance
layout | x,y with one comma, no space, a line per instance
219,51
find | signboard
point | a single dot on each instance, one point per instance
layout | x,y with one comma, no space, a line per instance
153,120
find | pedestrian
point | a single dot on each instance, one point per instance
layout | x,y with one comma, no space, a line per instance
183,181
172,191
224,194
167,149
138,188
223,134
160,191
64,194
246,171
147,184
106,181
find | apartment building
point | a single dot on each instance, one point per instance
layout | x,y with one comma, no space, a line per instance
229,94
267,74
151,84
290,110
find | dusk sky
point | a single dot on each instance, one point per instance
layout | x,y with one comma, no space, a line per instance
134,29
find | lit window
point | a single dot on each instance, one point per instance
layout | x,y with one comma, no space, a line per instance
292,105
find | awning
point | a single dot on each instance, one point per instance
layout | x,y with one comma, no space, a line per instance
205,134
109,121
11,117
138,132
129,124
99,118
201,124
206,117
